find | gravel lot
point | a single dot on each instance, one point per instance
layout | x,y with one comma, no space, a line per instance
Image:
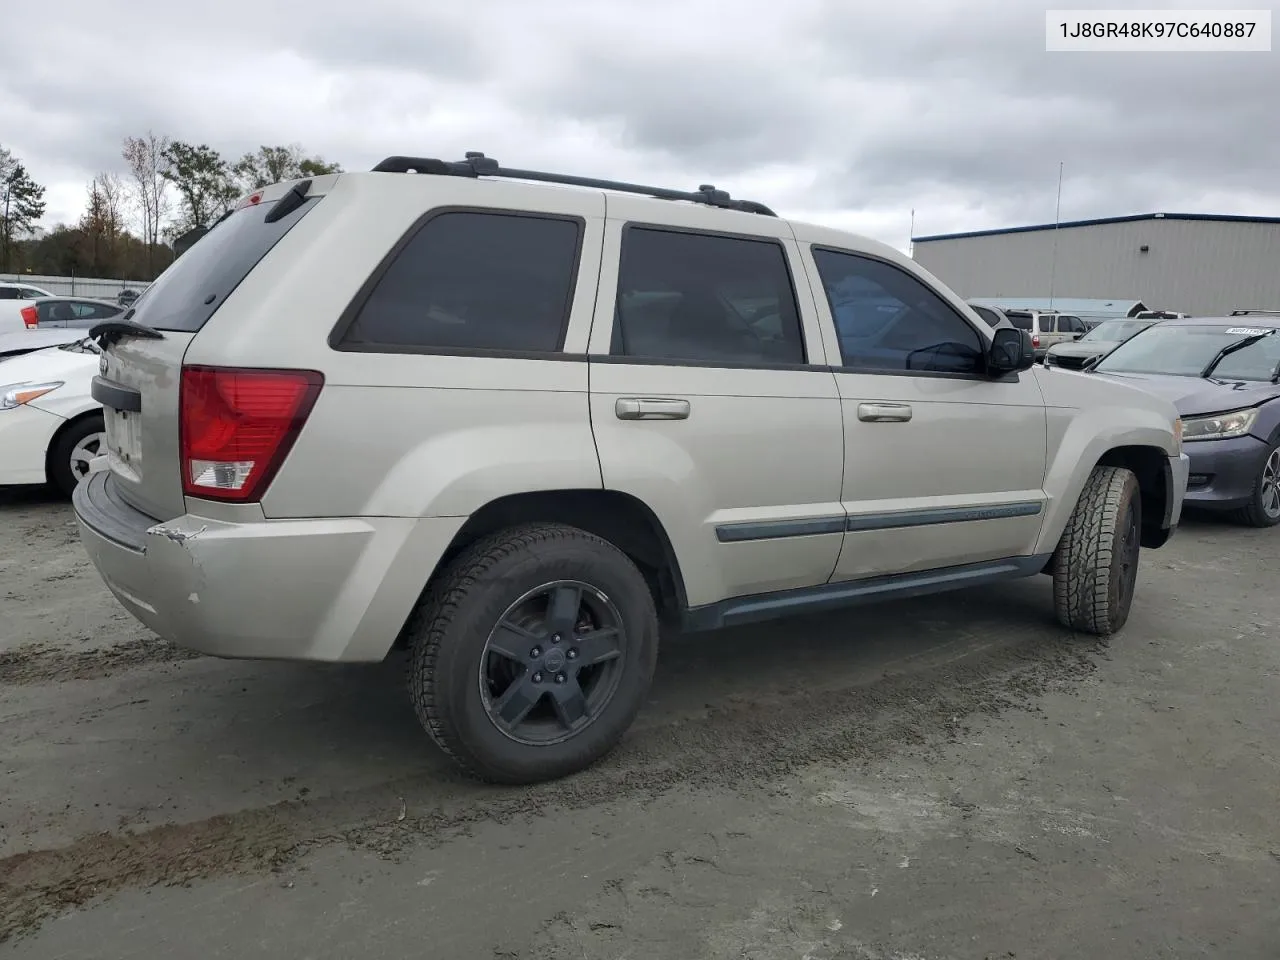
952,778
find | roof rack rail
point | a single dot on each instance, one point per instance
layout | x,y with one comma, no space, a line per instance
1265,313
478,165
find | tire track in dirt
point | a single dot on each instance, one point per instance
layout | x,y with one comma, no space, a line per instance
42,663
735,745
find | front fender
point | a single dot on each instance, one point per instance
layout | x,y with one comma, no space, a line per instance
1078,439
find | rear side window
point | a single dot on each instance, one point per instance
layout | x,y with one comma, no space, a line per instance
185,296
705,298
1020,320
9,293
475,281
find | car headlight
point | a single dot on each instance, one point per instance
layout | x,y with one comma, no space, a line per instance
1221,426
16,394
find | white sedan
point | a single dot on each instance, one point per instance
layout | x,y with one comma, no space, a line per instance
50,425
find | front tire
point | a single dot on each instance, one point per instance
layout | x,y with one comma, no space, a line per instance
71,452
1263,509
1095,568
532,653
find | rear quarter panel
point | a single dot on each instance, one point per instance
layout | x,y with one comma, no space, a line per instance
409,434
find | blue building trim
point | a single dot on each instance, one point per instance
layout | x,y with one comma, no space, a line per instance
999,231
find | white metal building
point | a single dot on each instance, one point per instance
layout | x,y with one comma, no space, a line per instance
1190,262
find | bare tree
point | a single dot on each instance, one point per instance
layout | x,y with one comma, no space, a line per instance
146,159
102,225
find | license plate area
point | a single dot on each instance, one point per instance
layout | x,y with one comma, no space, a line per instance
124,442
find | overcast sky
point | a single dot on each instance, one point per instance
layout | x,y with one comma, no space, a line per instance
845,112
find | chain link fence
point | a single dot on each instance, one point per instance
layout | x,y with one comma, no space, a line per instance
98,288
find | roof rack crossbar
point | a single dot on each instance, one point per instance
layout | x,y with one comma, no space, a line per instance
1265,313
478,165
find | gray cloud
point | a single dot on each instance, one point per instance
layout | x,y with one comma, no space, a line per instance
851,112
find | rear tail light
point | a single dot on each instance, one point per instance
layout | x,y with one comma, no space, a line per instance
237,426
30,318
1035,340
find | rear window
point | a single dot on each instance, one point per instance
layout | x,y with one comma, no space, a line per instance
474,281
185,296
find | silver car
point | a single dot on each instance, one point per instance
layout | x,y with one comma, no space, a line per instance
513,426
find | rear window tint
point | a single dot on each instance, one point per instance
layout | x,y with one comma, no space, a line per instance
474,281
1020,320
185,296
9,293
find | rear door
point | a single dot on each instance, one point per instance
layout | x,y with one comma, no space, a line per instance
140,372
711,401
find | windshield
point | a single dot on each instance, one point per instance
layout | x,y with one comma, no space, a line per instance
1114,331
1184,351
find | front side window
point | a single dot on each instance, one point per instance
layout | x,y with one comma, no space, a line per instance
704,298
889,321
475,281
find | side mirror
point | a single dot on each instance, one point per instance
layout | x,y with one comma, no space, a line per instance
1010,351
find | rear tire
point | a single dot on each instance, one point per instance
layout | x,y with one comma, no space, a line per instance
71,452
1095,567
532,653
1263,509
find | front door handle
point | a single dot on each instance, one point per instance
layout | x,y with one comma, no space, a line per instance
884,412
651,408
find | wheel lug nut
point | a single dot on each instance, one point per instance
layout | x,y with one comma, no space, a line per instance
559,678
537,678
572,654
555,638
535,652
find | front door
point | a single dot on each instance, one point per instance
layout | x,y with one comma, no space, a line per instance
711,402
943,465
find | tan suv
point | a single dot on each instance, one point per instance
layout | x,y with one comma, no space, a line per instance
510,425
1047,328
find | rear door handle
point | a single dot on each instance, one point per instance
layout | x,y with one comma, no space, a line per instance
884,412
651,408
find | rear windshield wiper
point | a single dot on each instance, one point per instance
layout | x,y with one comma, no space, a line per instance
109,331
1231,348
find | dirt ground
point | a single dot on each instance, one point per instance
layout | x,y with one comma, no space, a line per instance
950,778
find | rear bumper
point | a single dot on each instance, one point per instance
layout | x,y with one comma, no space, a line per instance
1224,472
325,589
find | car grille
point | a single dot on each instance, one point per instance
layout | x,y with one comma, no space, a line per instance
1068,363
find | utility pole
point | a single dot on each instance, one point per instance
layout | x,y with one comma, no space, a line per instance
1057,221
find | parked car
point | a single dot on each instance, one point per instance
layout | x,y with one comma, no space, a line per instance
50,425
1046,329
1222,374
67,311
126,297
13,297
52,321
1075,354
510,425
